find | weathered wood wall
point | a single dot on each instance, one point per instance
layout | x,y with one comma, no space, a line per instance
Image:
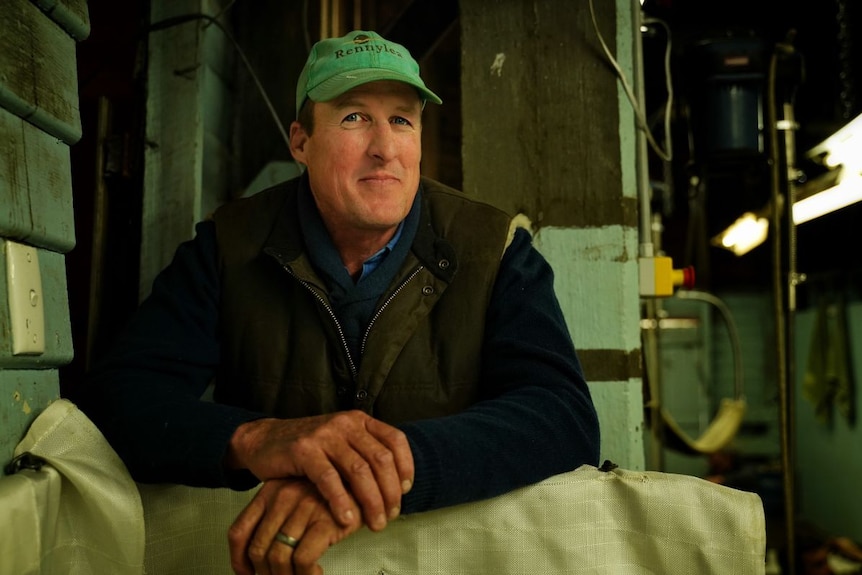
188,157
540,112
39,120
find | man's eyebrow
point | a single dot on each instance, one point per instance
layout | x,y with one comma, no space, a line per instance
348,101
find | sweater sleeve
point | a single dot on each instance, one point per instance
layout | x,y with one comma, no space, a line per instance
145,393
537,418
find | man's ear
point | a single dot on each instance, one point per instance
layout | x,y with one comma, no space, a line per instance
298,140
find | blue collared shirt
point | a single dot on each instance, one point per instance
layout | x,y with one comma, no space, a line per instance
374,261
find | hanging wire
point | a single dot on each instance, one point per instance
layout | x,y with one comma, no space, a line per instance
221,12
666,155
177,20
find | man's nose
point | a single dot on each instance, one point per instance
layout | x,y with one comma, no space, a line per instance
382,144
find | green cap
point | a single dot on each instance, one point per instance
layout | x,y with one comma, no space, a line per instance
336,65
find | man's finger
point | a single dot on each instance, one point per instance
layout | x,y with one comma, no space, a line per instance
384,482
367,486
240,533
396,440
331,486
317,539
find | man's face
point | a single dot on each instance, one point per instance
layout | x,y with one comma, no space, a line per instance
363,156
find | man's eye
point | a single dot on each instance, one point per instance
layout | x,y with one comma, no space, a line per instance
354,117
401,121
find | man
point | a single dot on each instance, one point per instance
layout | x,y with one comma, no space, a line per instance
378,343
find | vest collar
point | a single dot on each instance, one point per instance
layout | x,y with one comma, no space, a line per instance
286,243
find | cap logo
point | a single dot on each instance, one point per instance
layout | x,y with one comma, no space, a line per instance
360,42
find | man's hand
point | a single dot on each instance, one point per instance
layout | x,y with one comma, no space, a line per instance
294,508
349,456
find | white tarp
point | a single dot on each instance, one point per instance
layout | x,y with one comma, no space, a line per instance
81,514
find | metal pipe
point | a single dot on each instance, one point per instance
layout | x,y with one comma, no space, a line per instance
645,212
100,213
782,224
650,336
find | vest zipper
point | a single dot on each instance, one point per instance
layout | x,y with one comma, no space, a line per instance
382,307
331,313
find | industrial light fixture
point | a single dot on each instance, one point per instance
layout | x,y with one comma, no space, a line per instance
838,189
746,233
841,148
841,186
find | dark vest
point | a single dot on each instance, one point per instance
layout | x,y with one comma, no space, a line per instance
281,346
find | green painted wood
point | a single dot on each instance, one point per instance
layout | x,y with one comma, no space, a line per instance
58,331
15,219
620,409
71,15
38,107
24,394
35,186
173,157
189,159
38,74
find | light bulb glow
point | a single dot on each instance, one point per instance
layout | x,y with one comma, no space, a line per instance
746,233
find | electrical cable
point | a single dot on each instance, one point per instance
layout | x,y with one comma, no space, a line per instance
177,20
667,155
221,12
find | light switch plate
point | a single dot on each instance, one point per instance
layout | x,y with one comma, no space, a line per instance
26,308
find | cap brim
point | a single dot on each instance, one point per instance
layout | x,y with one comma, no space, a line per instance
335,86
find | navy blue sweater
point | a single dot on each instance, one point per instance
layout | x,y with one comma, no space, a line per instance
146,399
